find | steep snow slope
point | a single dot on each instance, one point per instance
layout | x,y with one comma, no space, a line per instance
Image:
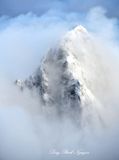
67,76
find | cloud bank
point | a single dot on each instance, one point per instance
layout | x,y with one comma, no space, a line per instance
25,133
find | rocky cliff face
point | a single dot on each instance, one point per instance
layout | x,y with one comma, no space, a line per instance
61,79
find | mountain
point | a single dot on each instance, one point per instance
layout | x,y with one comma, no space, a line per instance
66,75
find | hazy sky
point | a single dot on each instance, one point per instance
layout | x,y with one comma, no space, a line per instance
15,7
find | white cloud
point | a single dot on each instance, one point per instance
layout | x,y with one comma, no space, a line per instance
24,133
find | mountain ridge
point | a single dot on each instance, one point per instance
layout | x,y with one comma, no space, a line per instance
60,80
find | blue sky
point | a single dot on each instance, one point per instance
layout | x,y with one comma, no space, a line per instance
16,7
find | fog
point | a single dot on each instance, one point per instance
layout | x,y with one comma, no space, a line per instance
25,130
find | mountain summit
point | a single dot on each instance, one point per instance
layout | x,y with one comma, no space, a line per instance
65,76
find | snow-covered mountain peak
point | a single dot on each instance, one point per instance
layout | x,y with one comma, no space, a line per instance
77,32
63,77
79,29
78,37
